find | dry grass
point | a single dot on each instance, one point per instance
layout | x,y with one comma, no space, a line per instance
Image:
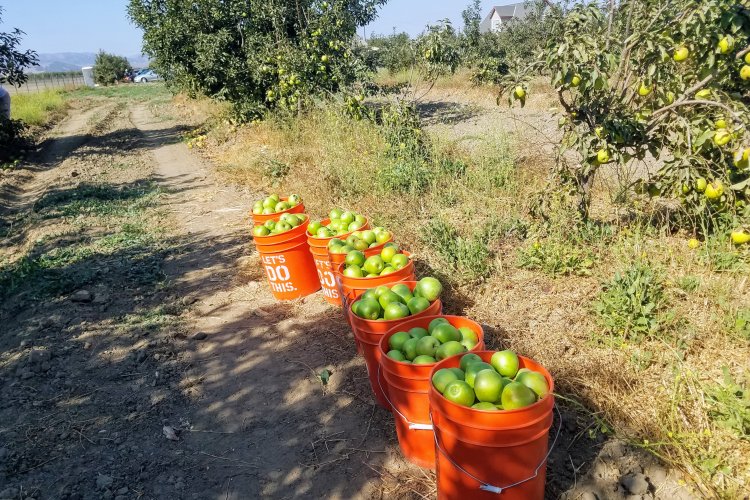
654,393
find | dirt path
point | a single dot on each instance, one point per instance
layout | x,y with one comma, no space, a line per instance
260,406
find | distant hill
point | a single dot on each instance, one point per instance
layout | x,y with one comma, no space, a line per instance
73,61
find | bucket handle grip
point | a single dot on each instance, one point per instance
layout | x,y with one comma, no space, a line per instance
498,490
412,426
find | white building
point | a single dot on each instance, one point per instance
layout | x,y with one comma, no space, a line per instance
500,15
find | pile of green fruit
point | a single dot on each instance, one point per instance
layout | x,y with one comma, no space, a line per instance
273,204
341,222
426,346
390,260
497,385
359,240
397,301
286,222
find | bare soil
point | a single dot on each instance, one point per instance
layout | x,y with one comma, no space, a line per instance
165,369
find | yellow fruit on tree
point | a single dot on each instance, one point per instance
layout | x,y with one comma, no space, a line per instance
715,190
740,237
726,44
703,94
602,156
745,72
742,158
644,90
747,58
685,189
722,137
681,53
720,123
519,92
700,184
693,243
575,81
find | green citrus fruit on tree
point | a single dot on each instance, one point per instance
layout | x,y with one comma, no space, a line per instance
681,53
714,190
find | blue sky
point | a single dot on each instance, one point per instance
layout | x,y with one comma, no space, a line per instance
90,25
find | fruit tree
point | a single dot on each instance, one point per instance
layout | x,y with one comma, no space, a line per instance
667,81
256,54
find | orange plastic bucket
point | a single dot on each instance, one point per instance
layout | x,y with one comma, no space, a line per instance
481,454
407,388
288,263
352,288
369,332
259,219
319,250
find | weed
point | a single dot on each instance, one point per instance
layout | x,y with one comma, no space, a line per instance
470,257
688,284
720,257
739,323
556,258
632,306
729,403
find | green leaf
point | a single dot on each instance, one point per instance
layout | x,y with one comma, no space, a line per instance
324,376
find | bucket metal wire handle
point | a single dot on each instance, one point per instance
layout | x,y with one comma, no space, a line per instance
498,490
412,425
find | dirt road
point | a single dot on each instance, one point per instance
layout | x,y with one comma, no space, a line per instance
142,355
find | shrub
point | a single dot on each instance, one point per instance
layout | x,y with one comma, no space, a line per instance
109,68
13,142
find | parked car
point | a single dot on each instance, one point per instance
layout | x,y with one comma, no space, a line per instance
145,76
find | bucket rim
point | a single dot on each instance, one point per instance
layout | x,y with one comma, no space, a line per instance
273,239
351,282
279,214
316,241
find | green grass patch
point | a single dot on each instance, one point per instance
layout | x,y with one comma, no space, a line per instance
131,91
58,266
39,108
